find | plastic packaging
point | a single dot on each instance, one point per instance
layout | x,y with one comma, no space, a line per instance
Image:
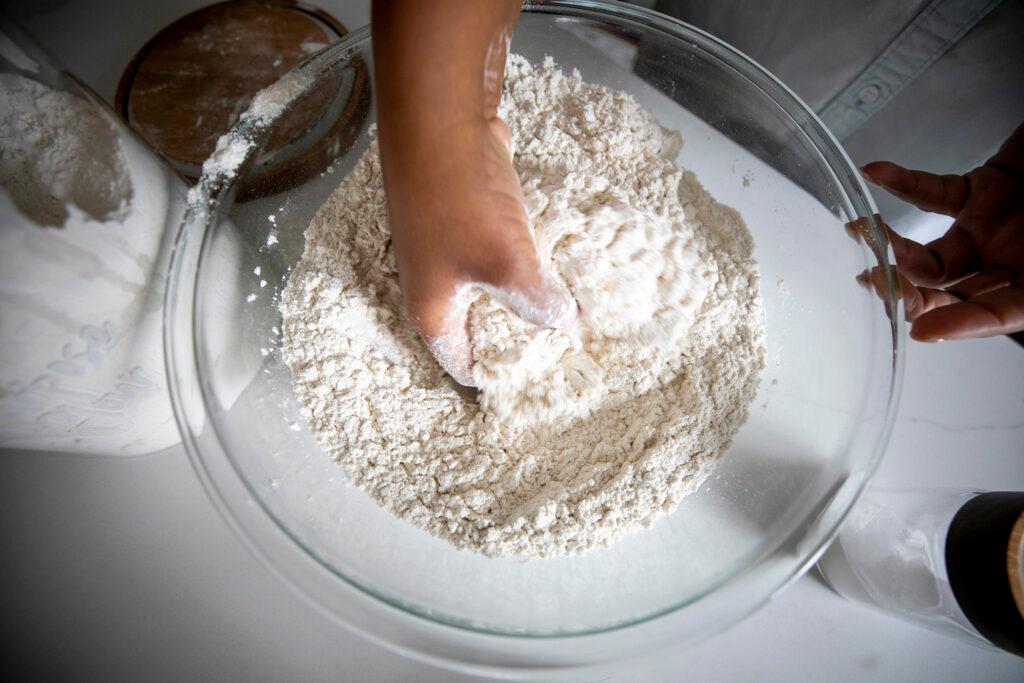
81,296
922,554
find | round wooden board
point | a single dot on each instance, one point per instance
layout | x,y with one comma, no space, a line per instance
188,85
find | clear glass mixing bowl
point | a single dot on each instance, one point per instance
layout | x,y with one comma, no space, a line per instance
814,436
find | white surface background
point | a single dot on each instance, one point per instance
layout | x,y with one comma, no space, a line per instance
118,569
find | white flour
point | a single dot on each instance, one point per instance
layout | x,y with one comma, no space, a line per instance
579,436
57,150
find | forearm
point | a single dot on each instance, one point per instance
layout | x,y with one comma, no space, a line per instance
455,206
438,63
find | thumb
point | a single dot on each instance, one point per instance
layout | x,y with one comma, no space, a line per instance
537,297
453,350
440,317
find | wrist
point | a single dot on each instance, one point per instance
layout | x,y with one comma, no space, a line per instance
419,160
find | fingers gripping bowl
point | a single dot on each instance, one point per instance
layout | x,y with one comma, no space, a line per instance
815,433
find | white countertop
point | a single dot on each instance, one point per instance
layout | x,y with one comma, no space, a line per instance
121,568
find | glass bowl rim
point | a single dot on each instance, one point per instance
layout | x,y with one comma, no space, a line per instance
210,190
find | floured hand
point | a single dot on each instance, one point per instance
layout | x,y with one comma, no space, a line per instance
458,226
455,206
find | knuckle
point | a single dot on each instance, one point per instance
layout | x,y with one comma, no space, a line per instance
950,188
996,313
503,269
958,252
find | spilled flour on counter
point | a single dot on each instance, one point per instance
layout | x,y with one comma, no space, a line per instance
578,436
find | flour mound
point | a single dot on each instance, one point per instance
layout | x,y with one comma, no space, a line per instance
55,150
579,436
637,279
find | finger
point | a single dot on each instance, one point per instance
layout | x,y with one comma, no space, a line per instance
537,297
913,259
860,230
940,262
916,300
453,350
441,319
927,191
985,281
999,311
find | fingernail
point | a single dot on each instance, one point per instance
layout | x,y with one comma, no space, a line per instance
866,175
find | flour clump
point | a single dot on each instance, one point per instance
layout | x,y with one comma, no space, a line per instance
578,436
